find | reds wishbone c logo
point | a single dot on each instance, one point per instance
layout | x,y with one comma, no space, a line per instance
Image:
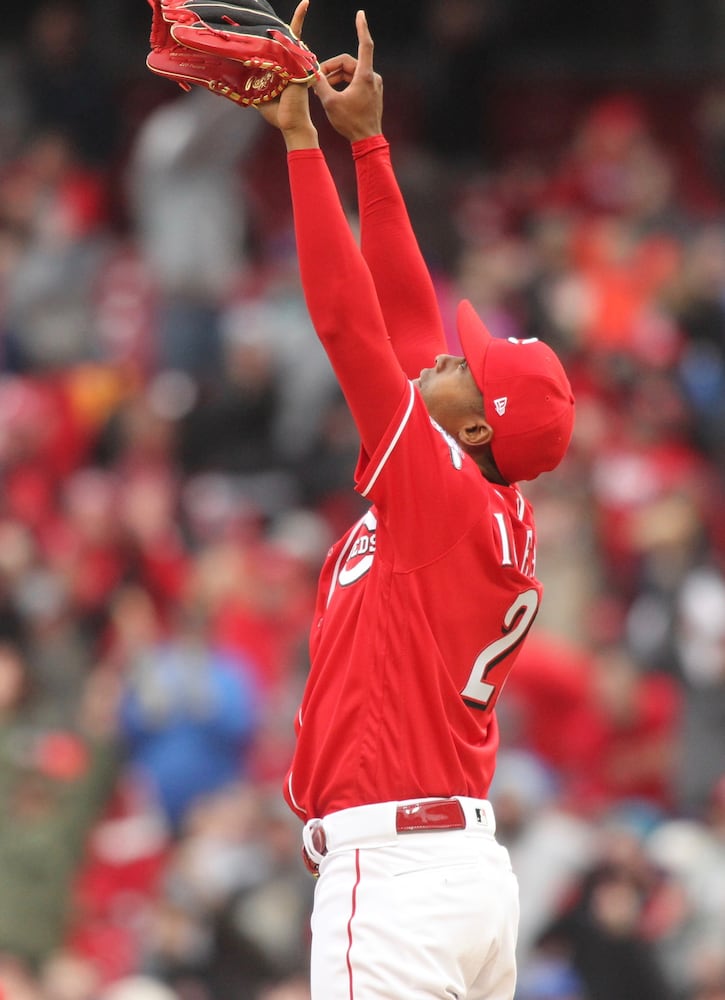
362,552
501,404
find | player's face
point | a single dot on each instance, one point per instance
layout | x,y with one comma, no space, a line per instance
450,392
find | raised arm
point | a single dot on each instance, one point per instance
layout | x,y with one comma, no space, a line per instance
337,283
402,280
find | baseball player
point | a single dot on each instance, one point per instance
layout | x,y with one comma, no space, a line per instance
424,604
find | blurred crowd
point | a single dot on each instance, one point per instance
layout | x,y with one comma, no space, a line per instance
175,460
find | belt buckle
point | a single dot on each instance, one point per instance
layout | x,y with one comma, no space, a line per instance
431,814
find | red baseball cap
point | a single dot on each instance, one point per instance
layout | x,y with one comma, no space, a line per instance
527,398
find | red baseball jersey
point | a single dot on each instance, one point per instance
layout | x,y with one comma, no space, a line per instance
421,610
422,605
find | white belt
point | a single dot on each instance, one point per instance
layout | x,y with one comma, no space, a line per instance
381,822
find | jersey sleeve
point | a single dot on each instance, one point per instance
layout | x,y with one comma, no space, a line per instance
396,263
342,300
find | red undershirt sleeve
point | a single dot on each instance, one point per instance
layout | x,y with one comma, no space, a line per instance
404,287
342,300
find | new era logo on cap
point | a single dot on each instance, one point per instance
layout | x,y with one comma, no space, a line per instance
500,405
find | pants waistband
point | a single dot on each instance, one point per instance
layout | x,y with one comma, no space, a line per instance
381,822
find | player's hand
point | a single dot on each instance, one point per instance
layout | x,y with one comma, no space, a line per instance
290,112
356,112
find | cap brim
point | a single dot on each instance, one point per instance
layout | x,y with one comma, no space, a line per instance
475,340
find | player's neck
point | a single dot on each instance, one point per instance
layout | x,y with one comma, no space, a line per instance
484,460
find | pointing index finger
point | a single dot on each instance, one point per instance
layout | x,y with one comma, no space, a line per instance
365,42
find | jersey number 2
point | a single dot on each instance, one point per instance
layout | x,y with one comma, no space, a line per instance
516,623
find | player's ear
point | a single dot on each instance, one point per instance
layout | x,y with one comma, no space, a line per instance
475,432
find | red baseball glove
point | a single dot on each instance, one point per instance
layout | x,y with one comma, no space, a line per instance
243,52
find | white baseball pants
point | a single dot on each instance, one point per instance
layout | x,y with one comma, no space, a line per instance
413,916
